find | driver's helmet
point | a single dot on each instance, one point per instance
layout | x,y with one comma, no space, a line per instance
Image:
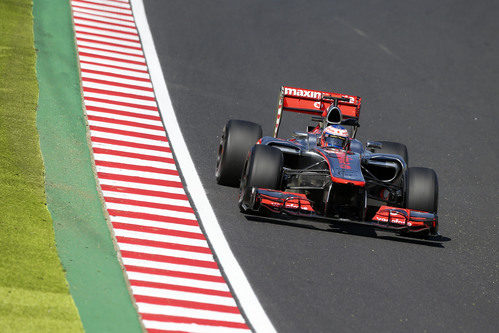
335,136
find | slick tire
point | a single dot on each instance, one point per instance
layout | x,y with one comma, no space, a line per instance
394,148
263,169
237,138
422,189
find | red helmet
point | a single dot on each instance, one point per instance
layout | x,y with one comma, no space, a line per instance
335,136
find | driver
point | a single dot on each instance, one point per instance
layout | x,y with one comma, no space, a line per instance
335,136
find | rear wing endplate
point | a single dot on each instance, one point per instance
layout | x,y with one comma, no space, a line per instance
315,103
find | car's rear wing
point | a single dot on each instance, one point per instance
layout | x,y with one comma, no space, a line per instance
316,103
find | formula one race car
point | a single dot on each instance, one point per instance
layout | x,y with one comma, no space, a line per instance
325,173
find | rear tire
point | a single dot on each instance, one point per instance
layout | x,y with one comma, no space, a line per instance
263,169
237,138
422,189
394,148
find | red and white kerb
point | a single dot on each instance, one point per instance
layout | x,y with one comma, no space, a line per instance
175,280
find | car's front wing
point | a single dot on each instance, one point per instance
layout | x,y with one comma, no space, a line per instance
388,218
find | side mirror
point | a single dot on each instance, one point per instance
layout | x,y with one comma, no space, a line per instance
374,145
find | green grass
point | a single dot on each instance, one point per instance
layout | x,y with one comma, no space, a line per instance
34,294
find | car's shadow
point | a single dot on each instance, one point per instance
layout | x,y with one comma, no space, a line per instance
349,228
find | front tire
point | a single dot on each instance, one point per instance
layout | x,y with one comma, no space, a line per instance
238,137
263,169
422,189
395,148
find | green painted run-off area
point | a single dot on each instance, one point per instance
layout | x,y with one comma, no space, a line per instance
82,234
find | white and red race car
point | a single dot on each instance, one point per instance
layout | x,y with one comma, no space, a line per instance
325,173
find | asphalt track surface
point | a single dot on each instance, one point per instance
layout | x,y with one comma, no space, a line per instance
428,73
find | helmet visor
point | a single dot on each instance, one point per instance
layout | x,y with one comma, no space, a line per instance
334,141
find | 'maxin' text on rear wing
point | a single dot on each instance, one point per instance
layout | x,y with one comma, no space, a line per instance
315,103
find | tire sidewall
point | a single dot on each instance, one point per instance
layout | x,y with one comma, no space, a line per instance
262,169
238,136
422,189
